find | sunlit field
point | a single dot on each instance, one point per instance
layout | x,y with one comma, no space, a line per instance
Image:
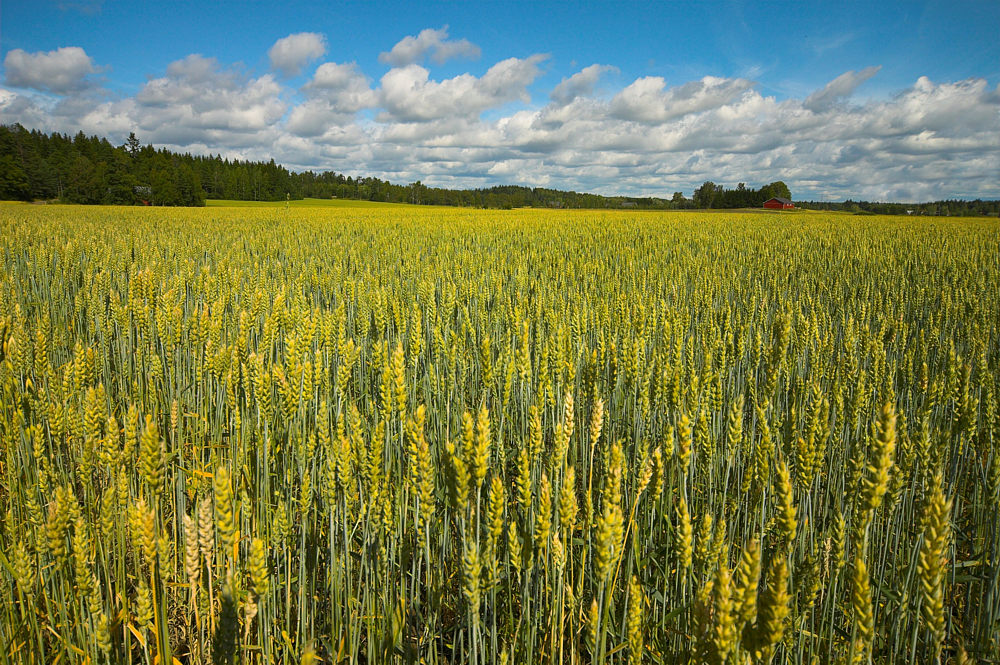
301,203
402,434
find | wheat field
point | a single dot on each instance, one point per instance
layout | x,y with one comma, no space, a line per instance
403,434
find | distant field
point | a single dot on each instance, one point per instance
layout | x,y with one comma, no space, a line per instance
301,203
381,433
351,203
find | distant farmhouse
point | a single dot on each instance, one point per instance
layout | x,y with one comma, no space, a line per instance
778,203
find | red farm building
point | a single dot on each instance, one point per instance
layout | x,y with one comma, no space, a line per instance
778,203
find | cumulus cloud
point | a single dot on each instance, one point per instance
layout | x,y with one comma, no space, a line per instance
61,71
839,88
344,86
23,109
648,100
408,94
412,49
930,140
580,84
201,103
334,95
290,54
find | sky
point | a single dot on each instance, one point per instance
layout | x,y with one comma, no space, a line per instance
871,100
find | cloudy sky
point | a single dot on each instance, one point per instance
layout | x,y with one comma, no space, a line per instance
873,100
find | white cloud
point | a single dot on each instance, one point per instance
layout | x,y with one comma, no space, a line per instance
62,71
408,95
410,49
829,42
290,54
343,86
839,88
580,84
175,109
23,109
647,100
931,140
312,118
331,75
334,95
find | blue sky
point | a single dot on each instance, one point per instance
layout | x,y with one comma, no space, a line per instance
875,100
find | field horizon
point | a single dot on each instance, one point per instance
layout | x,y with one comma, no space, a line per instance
309,202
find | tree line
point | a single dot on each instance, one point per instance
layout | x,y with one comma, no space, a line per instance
949,208
89,169
711,195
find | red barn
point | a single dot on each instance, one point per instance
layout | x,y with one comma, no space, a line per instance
778,203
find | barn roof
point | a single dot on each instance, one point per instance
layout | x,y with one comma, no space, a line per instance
779,200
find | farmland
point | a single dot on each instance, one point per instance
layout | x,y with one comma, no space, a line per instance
403,434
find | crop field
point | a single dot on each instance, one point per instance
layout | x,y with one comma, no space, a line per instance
303,203
399,434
